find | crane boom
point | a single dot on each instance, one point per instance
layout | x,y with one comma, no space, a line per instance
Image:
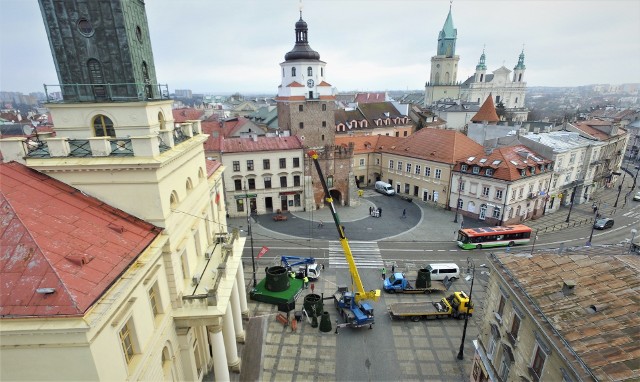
360,293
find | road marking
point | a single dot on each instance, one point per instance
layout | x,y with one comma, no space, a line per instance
366,254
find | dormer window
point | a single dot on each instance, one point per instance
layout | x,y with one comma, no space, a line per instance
488,172
464,168
541,168
523,172
533,170
476,170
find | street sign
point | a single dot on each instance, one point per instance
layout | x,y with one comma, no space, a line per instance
243,196
262,252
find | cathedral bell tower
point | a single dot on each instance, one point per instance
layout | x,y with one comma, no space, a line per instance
518,70
306,107
481,69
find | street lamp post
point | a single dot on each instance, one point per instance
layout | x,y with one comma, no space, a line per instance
246,197
620,188
593,226
470,267
573,195
455,219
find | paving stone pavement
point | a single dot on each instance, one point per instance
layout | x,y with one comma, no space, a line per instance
419,351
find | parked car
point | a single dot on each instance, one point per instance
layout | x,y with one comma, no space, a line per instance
603,223
636,197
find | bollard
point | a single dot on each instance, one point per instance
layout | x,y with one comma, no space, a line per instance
314,322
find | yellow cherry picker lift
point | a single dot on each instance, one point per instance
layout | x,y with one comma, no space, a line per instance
351,304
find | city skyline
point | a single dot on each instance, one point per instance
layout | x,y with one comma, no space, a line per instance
379,45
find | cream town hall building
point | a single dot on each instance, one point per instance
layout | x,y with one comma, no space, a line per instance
117,264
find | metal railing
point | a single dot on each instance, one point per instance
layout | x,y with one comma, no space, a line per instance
121,147
118,92
79,148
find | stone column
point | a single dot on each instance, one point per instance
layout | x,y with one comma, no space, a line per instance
237,315
229,335
220,368
242,288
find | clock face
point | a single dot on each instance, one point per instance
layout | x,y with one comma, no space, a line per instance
310,83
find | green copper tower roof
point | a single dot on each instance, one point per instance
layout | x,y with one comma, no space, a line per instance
447,38
520,64
481,65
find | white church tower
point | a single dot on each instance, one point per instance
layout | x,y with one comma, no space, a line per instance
444,66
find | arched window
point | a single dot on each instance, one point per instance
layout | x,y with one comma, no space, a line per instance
293,72
437,79
96,78
321,72
161,121
481,77
147,81
189,185
309,71
520,77
282,72
103,126
324,107
446,78
200,174
173,199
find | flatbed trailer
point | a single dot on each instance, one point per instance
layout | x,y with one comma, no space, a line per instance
455,306
399,283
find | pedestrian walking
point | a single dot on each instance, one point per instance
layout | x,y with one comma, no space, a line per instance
393,268
404,213
384,273
305,282
370,210
320,224
379,212
313,286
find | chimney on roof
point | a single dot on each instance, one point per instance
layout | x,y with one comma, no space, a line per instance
568,287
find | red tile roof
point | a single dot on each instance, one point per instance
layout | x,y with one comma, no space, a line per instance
370,97
237,145
361,143
589,128
444,146
487,112
295,84
506,162
324,83
54,236
184,114
212,166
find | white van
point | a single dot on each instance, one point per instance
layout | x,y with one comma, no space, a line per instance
441,270
384,188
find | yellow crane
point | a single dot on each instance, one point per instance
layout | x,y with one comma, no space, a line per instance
360,293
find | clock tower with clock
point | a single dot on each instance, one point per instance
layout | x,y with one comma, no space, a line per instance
306,106
306,102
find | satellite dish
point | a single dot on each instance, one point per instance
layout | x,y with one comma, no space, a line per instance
27,130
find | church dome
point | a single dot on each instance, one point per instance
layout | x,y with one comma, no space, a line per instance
302,50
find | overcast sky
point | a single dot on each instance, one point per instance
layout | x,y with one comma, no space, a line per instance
217,46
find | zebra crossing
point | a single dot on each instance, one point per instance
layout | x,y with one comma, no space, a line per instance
366,254
632,214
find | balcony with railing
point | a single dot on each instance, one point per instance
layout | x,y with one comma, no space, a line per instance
119,92
44,146
207,292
